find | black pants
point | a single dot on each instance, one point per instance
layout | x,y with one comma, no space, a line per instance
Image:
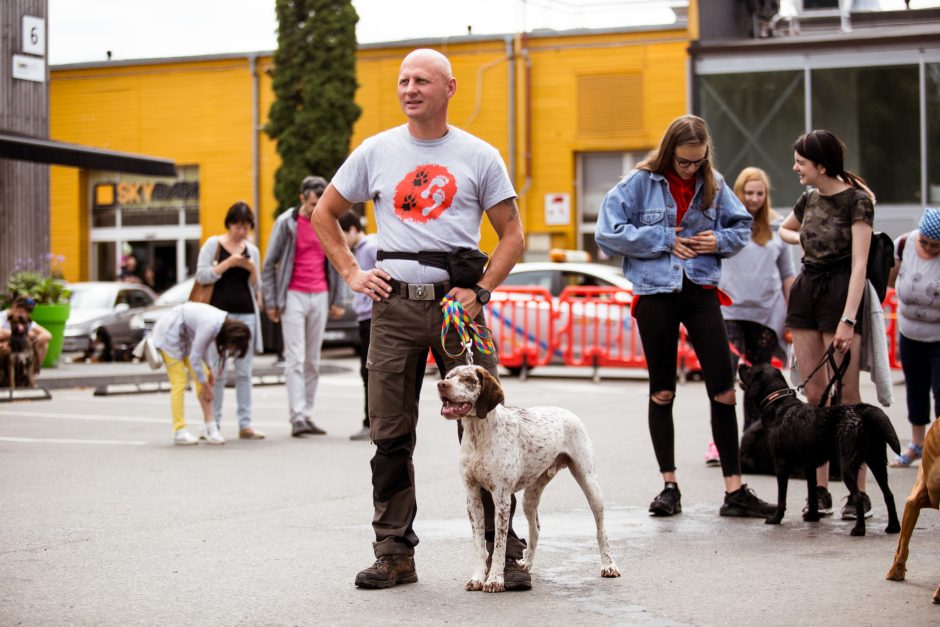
658,317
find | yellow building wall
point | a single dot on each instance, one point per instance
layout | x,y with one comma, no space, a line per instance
195,113
199,112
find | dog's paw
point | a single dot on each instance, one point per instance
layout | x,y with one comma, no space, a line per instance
811,517
893,528
896,573
474,585
610,571
495,584
856,531
773,520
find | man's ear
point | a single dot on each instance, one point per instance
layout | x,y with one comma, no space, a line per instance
491,393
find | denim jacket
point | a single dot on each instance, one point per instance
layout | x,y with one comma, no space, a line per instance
637,220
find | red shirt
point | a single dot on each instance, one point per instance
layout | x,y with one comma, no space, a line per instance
682,191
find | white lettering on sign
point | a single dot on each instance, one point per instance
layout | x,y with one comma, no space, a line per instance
557,209
34,35
29,68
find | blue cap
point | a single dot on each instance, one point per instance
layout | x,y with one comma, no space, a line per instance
929,225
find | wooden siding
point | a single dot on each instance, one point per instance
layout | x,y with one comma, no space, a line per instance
24,186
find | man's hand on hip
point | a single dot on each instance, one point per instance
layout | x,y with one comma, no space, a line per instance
372,283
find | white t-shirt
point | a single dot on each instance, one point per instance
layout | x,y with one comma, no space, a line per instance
918,288
189,330
428,194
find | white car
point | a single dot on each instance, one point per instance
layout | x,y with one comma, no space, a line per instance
534,321
104,318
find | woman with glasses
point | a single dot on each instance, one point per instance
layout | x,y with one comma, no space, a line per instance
672,220
833,223
917,281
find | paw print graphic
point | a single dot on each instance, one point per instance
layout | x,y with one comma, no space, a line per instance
421,178
409,203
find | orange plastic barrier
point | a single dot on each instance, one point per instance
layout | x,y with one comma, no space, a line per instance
592,326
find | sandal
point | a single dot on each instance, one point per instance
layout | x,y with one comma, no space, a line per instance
908,457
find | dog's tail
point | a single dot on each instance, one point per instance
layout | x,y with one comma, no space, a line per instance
877,421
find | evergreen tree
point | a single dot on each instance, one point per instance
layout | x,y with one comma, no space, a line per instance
314,85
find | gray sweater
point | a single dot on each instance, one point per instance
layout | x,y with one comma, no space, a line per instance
278,265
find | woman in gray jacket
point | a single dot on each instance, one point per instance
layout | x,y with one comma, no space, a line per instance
230,262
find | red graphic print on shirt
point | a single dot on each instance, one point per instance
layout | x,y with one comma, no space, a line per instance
425,193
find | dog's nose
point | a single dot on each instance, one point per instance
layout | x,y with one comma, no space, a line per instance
441,384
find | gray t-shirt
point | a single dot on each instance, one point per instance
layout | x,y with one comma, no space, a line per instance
918,287
428,194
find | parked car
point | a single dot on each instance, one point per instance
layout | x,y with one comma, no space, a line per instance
340,332
543,327
104,321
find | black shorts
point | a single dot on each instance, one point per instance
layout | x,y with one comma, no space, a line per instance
817,301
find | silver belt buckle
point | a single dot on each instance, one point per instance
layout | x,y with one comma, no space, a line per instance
421,291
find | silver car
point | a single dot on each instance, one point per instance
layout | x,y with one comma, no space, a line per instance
104,319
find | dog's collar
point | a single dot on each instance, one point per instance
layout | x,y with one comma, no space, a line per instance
773,397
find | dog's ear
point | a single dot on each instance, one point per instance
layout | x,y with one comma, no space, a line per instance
743,371
491,393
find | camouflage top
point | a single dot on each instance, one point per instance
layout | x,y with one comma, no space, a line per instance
826,223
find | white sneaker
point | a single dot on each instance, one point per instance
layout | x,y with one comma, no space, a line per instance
184,438
213,436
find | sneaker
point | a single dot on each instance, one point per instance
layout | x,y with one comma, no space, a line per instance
313,429
515,577
711,456
361,435
388,571
668,502
184,438
743,503
848,510
213,436
824,500
279,363
299,428
250,434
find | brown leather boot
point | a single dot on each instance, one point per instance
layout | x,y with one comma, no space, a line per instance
515,577
388,571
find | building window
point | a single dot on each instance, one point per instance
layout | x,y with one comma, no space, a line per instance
598,172
754,119
874,110
933,132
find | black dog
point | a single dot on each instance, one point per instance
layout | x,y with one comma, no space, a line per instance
807,436
19,357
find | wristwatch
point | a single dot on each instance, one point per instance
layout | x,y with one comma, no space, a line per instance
848,321
483,294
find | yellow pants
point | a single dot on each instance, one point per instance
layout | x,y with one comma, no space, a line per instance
176,370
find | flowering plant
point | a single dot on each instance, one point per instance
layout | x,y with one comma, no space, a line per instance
43,285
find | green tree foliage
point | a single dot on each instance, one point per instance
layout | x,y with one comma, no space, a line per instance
314,85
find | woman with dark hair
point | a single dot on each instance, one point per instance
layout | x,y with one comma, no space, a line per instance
673,219
231,263
833,223
183,336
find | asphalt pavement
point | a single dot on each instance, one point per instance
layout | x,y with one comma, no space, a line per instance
105,522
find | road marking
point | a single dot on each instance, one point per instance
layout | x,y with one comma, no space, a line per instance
25,414
64,441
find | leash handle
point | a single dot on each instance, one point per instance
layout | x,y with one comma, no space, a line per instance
471,334
838,372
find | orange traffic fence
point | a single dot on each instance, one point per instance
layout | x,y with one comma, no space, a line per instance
592,326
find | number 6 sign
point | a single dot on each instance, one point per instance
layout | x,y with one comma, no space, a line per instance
34,35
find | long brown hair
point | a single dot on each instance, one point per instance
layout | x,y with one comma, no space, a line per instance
761,232
234,335
824,148
688,129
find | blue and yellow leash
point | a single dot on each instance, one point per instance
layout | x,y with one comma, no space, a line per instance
471,334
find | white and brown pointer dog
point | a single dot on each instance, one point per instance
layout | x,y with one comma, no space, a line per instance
507,449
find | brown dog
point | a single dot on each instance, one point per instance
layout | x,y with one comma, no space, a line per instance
19,356
926,493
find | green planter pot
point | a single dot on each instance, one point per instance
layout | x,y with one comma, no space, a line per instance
52,318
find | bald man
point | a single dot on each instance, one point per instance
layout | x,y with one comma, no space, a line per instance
431,184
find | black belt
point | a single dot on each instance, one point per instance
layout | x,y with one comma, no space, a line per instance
419,291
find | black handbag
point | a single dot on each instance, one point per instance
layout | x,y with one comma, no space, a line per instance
880,261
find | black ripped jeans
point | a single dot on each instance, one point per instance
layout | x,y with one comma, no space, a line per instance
658,317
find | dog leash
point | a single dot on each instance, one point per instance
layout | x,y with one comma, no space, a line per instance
834,386
471,334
